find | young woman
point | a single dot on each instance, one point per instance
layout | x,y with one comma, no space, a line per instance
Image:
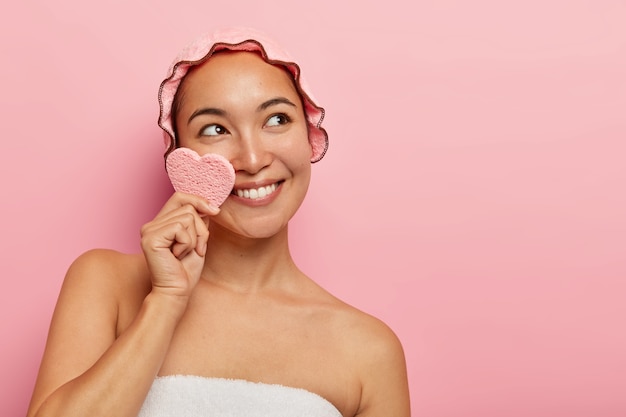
214,318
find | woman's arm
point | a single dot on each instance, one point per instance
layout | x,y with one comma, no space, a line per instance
87,369
385,390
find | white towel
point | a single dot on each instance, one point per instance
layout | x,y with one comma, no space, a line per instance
195,396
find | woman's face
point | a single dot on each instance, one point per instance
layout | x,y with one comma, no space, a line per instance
249,111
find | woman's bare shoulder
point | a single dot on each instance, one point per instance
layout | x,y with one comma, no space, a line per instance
109,270
105,285
109,260
377,356
365,330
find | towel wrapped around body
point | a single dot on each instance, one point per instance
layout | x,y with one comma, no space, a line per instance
195,396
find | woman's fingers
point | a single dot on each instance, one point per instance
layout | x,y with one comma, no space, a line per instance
175,241
202,236
178,200
194,205
178,232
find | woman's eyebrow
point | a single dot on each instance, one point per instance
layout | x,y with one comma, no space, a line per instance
206,110
219,112
274,102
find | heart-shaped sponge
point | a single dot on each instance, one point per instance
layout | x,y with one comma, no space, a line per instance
210,176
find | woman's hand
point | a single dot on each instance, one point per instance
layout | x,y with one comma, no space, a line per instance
175,241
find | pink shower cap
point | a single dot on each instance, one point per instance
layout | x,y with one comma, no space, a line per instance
239,39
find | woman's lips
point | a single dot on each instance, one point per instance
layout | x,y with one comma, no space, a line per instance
256,193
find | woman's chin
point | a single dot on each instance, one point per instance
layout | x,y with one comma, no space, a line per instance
259,229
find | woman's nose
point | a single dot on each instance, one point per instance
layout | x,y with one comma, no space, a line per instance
251,154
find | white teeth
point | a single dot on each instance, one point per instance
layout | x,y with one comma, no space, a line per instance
254,193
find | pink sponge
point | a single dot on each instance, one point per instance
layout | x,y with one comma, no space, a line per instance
210,176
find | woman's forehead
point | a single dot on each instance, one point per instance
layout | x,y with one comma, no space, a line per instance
227,70
230,75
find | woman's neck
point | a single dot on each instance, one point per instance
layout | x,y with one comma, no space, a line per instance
248,265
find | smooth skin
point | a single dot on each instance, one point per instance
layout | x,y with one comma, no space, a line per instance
215,292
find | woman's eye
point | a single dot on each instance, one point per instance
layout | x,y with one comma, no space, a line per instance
213,130
277,120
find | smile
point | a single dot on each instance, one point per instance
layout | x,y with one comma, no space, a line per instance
255,193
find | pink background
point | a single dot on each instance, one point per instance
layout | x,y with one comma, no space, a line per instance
472,197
